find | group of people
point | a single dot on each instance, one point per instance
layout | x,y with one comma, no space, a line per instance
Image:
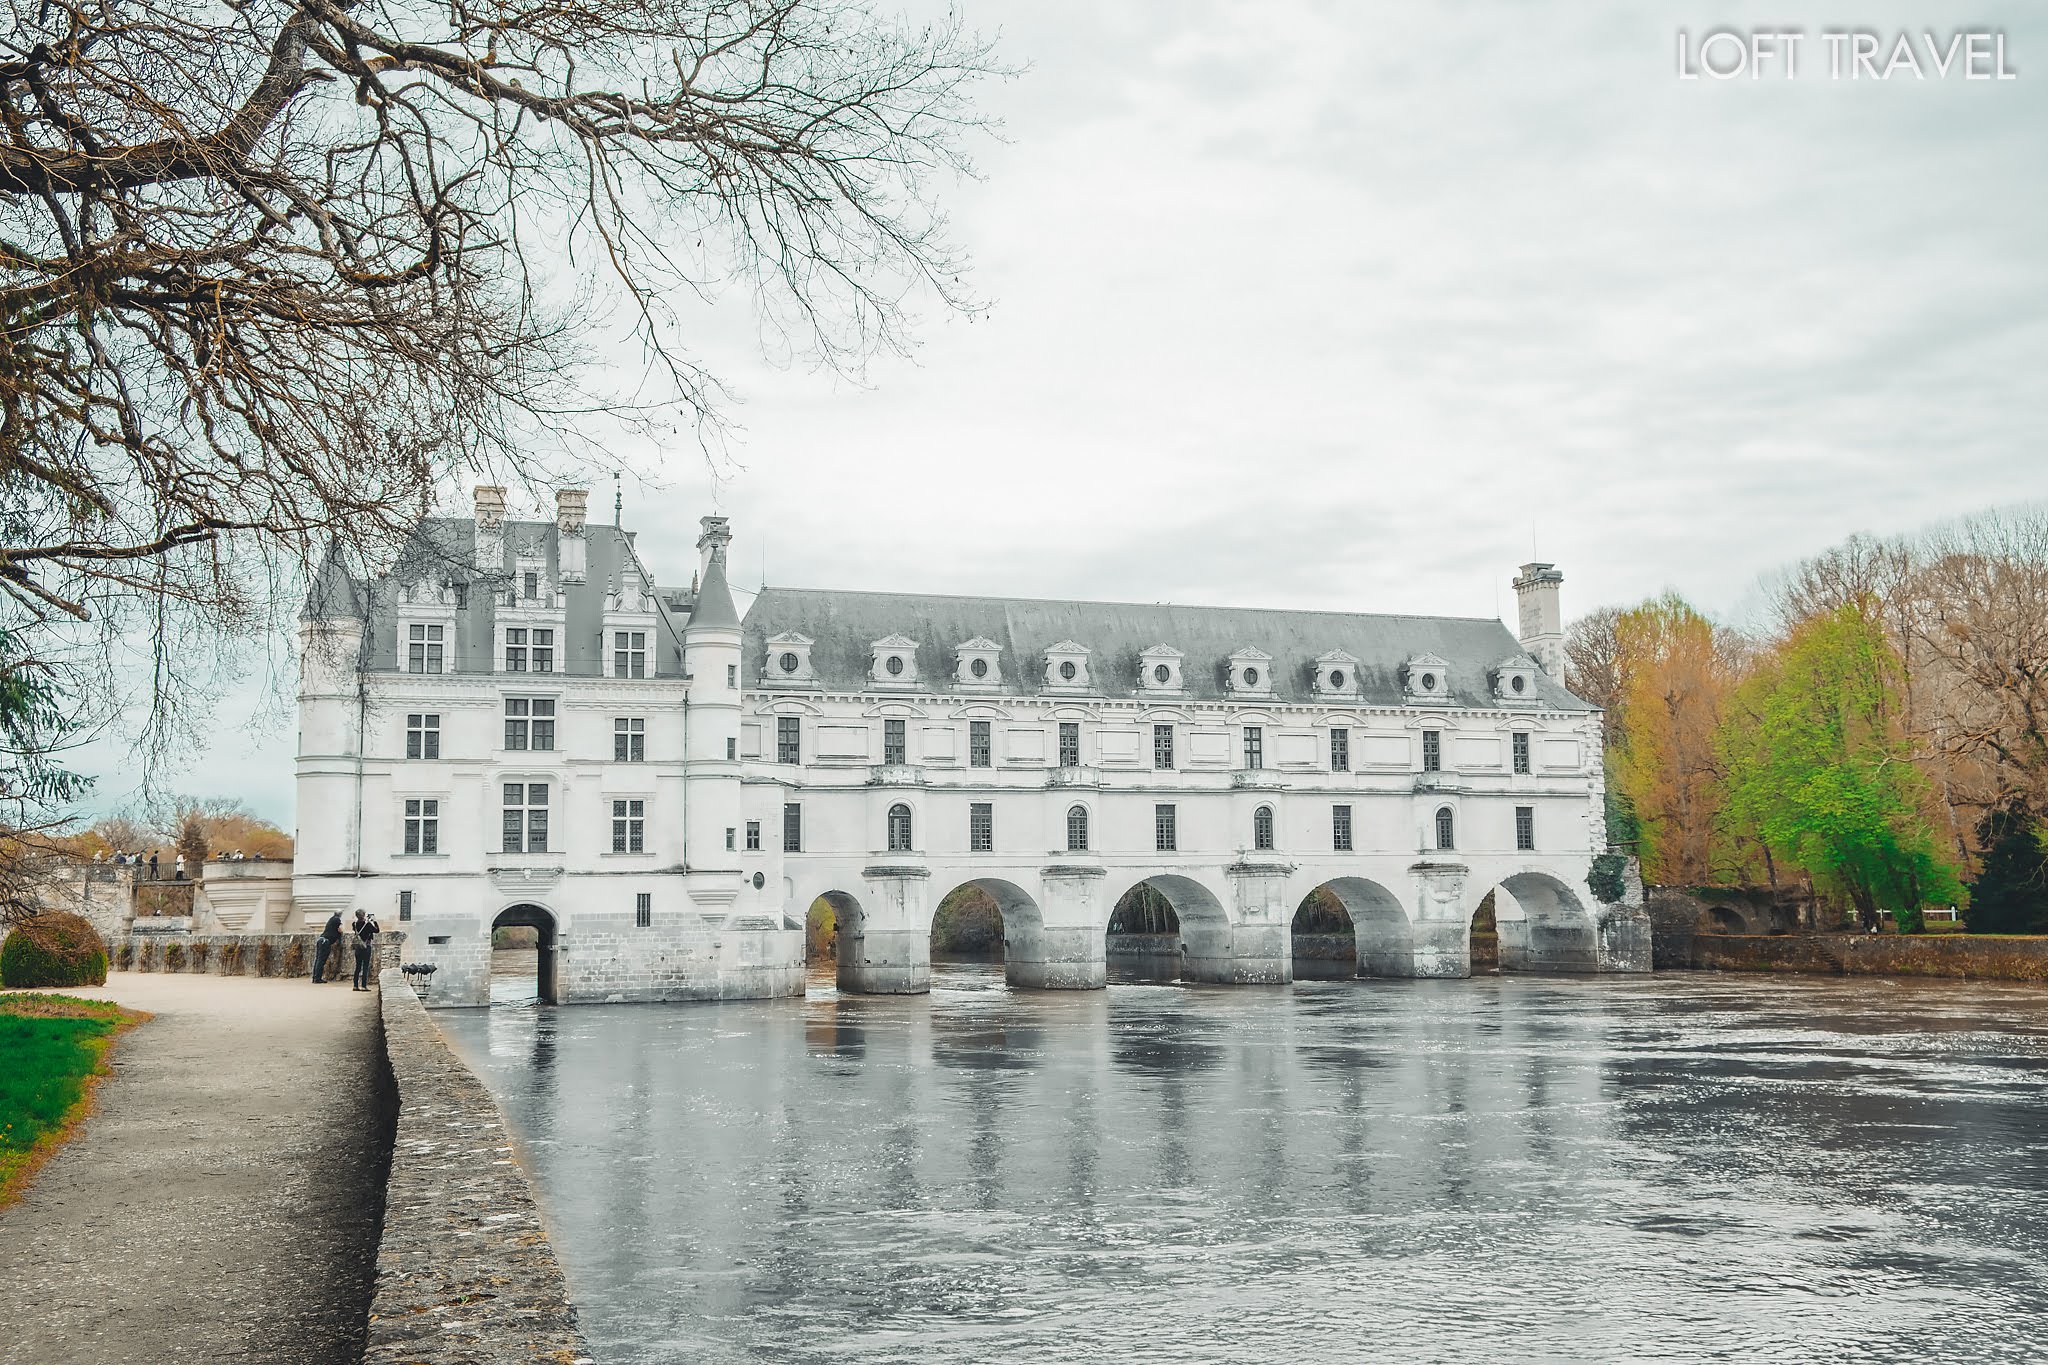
122,859
363,937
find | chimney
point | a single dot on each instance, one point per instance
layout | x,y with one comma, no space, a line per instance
716,536
571,506
490,528
1542,620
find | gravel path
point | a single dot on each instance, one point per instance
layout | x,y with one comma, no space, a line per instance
224,1203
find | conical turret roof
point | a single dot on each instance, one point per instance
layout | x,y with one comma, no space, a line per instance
713,608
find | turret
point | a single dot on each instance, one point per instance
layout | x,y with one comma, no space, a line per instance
711,659
331,630
1542,620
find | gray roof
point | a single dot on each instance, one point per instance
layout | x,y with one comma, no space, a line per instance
845,626
714,600
334,594
442,551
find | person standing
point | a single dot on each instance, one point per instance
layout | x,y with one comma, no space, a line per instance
366,948
152,865
324,945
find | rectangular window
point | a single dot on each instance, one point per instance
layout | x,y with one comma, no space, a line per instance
515,649
789,739
531,583
1165,829
1162,746
1254,746
732,749
517,721
629,826
543,651
629,740
1340,828
978,744
423,646
1070,744
1525,827
423,734
643,909
730,836
1521,743
732,676
1432,751
543,723
753,836
422,826
526,817
981,827
629,654
895,746
404,906
1340,750
792,828
529,723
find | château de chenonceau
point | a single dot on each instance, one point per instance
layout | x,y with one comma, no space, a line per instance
518,725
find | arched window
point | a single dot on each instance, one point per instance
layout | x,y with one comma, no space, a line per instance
1262,828
1077,829
899,828
1445,829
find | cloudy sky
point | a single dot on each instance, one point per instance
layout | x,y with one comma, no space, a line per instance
1360,305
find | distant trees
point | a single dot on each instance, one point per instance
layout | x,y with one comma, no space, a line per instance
1884,736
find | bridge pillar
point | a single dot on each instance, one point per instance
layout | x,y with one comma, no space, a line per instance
1064,950
1442,925
1255,947
889,950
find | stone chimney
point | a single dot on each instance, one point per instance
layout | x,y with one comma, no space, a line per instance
715,537
571,507
1542,619
490,528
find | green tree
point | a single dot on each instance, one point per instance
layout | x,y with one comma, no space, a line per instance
1819,765
2010,895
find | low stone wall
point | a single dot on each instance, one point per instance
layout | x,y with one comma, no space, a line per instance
465,1273
1984,957
239,954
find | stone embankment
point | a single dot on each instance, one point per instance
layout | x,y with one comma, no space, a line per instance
1981,957
156,950
465,1273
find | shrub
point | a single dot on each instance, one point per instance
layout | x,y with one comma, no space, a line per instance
1608,878
266,958
54,949
124,956
295,963
174,957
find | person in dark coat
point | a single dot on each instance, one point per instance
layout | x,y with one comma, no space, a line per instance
329,936
366,948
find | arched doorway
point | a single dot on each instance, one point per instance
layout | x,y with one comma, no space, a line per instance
832,928
523,969
1543,926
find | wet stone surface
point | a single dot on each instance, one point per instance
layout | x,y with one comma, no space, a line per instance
1681,1168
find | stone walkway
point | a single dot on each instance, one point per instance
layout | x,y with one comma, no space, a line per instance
223,1204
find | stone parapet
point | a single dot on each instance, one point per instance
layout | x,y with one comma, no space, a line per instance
1985,957
239,954
465,1272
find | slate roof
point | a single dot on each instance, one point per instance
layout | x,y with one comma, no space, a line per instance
846,624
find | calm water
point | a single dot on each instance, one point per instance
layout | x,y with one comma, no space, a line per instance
1685,1168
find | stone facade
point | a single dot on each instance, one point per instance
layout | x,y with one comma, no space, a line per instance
516,725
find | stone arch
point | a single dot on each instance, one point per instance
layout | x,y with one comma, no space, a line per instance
528,915
1544,926
1722,919
1200,926
832,929
1383,939
1020,925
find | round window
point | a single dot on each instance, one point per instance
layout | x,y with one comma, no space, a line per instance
759,881
1251,677
1067,671
1336,680
894,664
1162,674
1429,682
1518,683
979,668
788,662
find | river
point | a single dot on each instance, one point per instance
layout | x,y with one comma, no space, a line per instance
1677,1168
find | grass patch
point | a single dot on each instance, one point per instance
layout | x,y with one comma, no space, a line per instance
56,1048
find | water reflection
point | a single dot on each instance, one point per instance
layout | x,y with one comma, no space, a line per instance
1686,1168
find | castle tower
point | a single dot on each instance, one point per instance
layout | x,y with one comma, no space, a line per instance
1542,619
328,839
711,659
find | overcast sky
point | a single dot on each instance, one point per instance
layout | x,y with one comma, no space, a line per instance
1358,306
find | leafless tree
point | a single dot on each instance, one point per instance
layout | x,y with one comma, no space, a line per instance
276,269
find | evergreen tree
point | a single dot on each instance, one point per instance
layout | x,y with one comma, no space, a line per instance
2010,895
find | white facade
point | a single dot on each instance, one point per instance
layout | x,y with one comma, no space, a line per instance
699,786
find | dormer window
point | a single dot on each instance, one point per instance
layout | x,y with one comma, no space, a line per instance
1251,673
1514,679
788,661
892,662
1426,678
1159,671
1337,674
979,664
1066,667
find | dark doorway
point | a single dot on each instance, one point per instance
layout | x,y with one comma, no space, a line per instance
515,964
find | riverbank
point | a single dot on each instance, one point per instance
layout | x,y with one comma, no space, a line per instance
224,1201
1974,957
